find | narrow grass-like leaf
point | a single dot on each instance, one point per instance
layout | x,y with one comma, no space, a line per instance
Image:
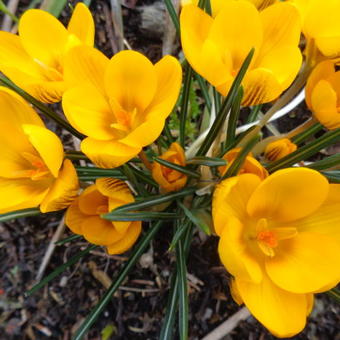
140,216
68,239
74,259
312,130
255,110
19,213
204,89
207,161
326,163
156,200
183,291
76,155
136,253
184,103
306,151
225,108
333,176
84,170
180,231
171,307
4,9
177,167
173,14
55,7
144,177
335,294
217,100
239,160
43,108
194,219
129,173
233,117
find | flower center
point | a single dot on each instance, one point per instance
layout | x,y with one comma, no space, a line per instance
38,169
268,238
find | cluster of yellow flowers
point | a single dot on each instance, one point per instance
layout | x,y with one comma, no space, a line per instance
271,228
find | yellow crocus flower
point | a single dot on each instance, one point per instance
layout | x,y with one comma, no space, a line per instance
272,233
34,59
33,171
323,94
83,216
321,25
121,104
250,164
279,149
216,47
169,179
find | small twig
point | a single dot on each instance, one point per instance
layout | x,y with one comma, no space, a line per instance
227,326
7,23
117,19
50,249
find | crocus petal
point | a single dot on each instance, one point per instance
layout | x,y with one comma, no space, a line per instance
63,191
127,241
91,200
329,46
282,312
82,25
48,146
284,62
321,71
288,195
281,26
131,80
107,154
326,220
260,86
234,254
237,28
305,263
99,231
21,193
74,217
195,26
115,189
84,64
230,199
88,111
169,78
324,104
36,27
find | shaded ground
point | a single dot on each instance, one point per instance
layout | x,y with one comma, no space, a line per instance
137,309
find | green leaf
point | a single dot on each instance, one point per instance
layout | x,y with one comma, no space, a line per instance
306,151
239,160
43,108
68,239
74,259
184,103
183,291
326,163
226,105
171,307
335,294
55,7
4,9
180,231
76,155
106,298
139,216
108,331
177,167
204,89
255,110
173,14
233,117
312,130
207,161
332,176
156,200
194,219
19,213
